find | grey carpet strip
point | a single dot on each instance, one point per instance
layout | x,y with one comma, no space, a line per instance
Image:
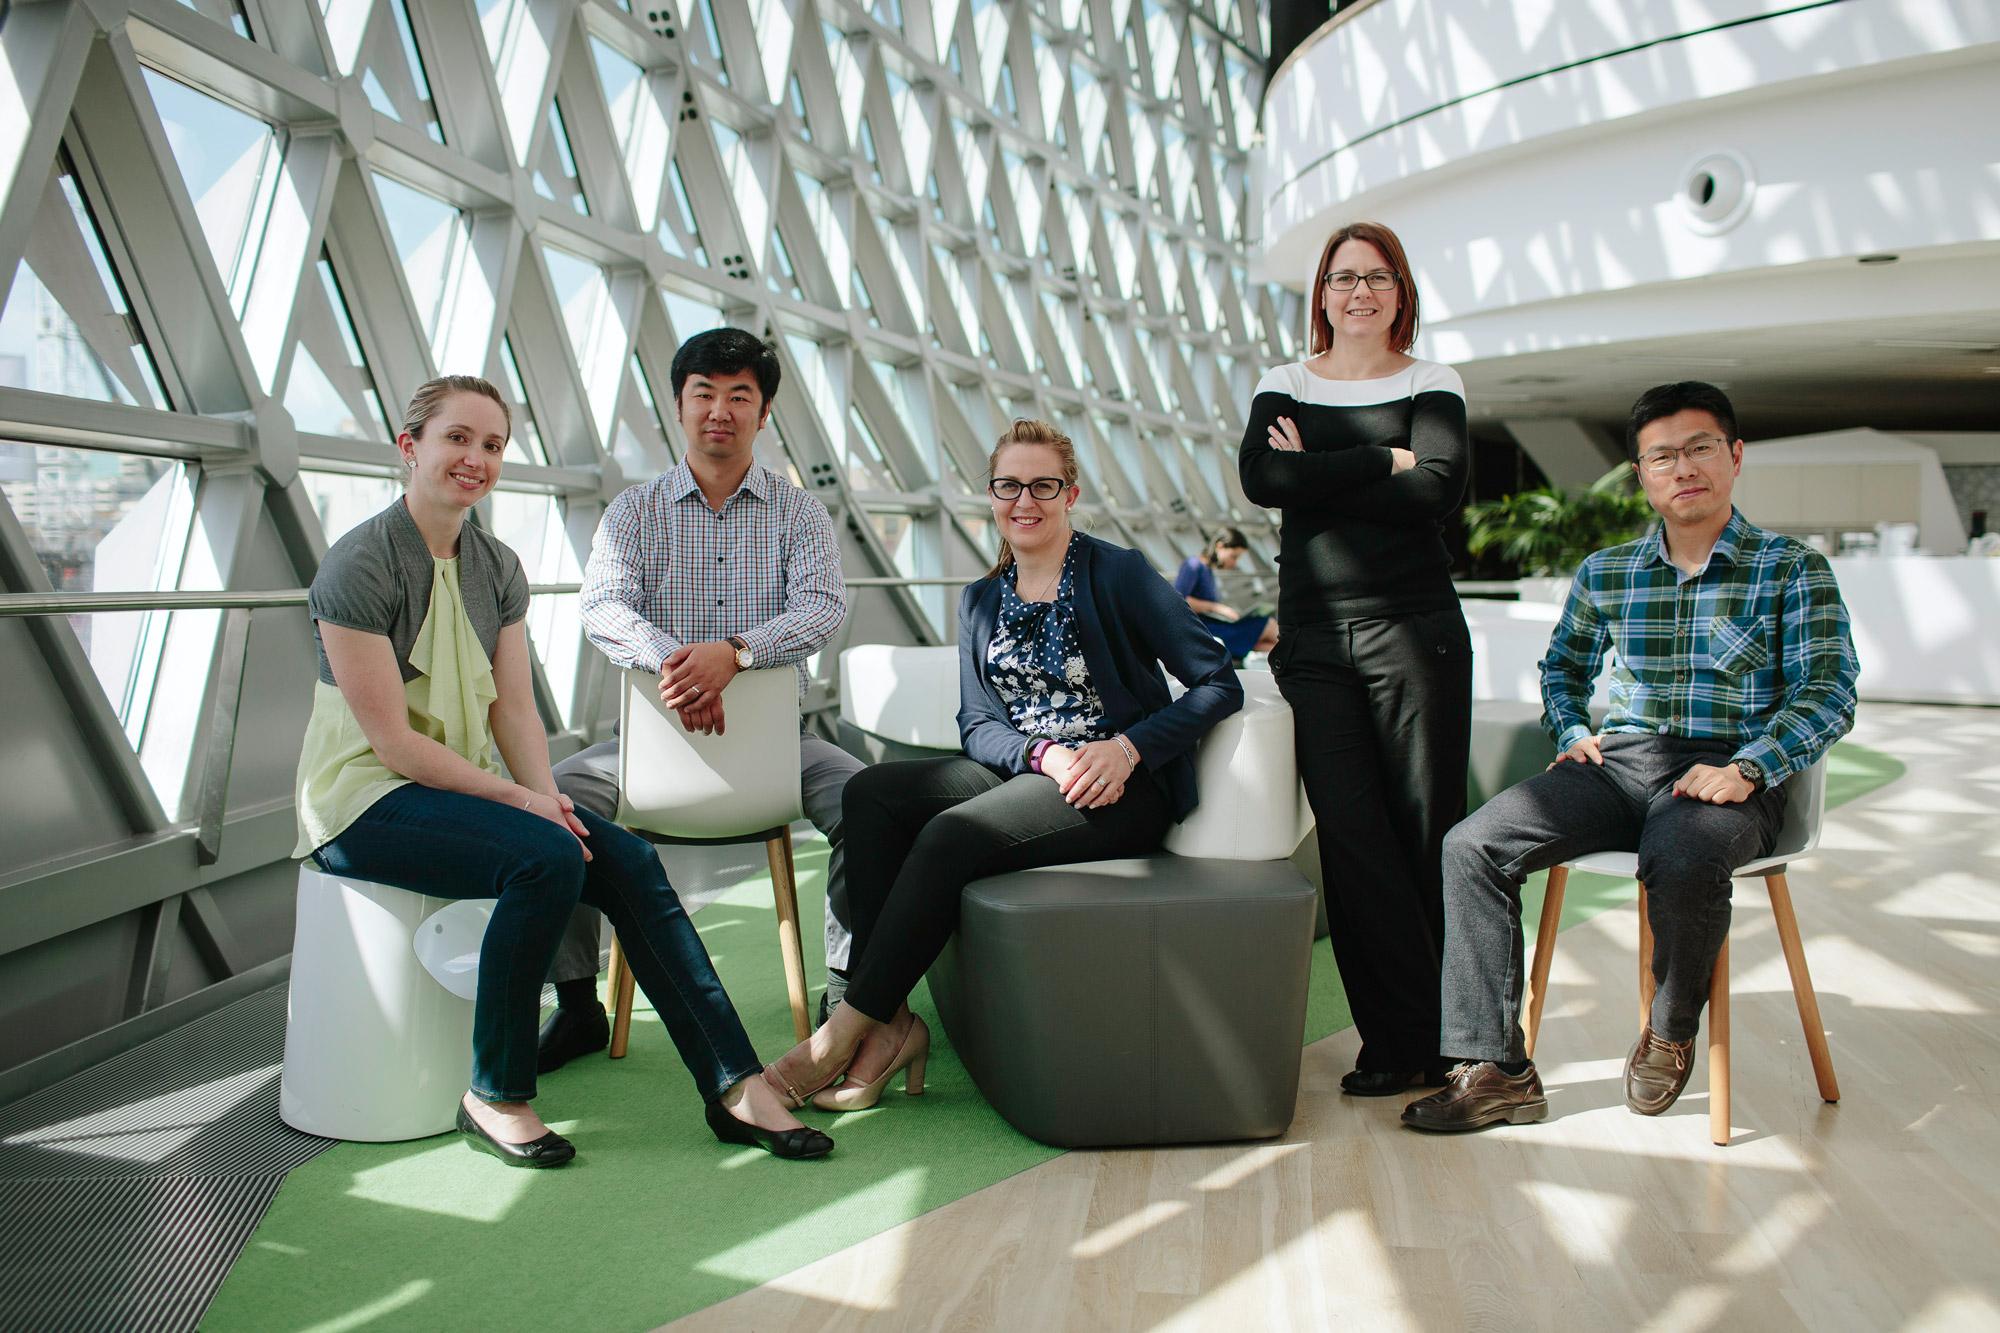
127,1190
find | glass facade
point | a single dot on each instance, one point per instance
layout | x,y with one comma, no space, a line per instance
943,214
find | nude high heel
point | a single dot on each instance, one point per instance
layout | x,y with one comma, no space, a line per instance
915,1053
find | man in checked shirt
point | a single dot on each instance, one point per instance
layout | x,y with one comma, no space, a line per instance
714,567
1734,672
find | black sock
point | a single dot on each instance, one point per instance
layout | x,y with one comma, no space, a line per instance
578,994
1513,1068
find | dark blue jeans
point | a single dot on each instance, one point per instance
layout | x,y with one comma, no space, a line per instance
451,845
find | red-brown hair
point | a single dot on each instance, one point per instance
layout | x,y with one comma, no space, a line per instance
1403,332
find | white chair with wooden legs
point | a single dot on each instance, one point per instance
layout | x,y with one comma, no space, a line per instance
743,786
1798,836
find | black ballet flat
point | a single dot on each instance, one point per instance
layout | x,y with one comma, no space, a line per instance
552,1149
791,1144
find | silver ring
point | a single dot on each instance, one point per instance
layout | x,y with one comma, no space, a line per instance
695,689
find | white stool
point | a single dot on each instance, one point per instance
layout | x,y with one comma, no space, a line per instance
378,1046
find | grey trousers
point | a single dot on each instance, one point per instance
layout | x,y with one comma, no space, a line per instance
590,778
1687,849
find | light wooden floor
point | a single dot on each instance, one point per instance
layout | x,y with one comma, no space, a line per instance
1880,1213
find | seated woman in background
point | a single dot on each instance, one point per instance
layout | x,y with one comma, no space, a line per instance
1074,751
423,666
1241,635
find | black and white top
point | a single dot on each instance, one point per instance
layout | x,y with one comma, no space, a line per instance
1035,662
1356,541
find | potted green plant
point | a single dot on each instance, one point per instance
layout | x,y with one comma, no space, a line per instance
1548,531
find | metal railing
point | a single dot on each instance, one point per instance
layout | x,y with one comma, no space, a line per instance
238,607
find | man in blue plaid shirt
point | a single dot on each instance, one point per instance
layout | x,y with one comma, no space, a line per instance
1734,671
717,566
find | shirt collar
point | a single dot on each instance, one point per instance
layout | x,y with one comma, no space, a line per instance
680,482
1728,544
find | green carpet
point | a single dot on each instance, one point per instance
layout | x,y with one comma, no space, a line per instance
656,1219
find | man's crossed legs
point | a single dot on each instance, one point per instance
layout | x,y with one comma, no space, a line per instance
590,778
1687,850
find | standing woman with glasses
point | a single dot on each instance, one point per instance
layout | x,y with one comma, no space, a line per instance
1363,448
1074,751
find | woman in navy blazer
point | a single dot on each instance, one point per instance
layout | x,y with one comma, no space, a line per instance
1074,751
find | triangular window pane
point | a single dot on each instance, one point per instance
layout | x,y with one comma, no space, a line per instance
689,316
373,38
795,93
66,326
639,439
331,390
525,446
777,454
866,463
99,521
229,13
556,176
229,160
707,50
428,234
783,276
589,318
677,231
532,527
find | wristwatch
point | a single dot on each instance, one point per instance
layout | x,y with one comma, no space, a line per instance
1752,772
743,657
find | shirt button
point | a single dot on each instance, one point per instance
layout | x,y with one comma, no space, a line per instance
1663,728
718,601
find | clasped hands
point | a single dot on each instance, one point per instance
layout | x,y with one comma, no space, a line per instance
1090,775
1717,784
1285,436
691,683
558,809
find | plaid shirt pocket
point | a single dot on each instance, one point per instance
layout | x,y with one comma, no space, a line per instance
1740,645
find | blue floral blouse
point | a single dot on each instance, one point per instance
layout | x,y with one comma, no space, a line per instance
1036,664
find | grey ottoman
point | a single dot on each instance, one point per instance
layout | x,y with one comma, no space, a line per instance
1156,1000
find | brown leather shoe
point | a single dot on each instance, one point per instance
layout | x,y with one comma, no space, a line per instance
1477,1095
1656,1071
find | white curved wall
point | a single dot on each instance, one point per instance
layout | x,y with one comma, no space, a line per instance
1533,157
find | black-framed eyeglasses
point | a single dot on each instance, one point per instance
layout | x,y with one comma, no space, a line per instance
1042,488
1699,450
1381,280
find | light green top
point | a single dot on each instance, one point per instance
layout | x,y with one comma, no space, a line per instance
340,775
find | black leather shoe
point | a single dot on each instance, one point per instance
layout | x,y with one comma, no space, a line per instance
552,1149
1388,1082
791,1144
568,1033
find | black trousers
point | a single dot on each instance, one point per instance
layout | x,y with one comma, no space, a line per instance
1382,712
919,831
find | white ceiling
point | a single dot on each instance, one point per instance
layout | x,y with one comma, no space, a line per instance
1785,381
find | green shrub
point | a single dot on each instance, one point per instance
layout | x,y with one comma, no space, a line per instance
1548,531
